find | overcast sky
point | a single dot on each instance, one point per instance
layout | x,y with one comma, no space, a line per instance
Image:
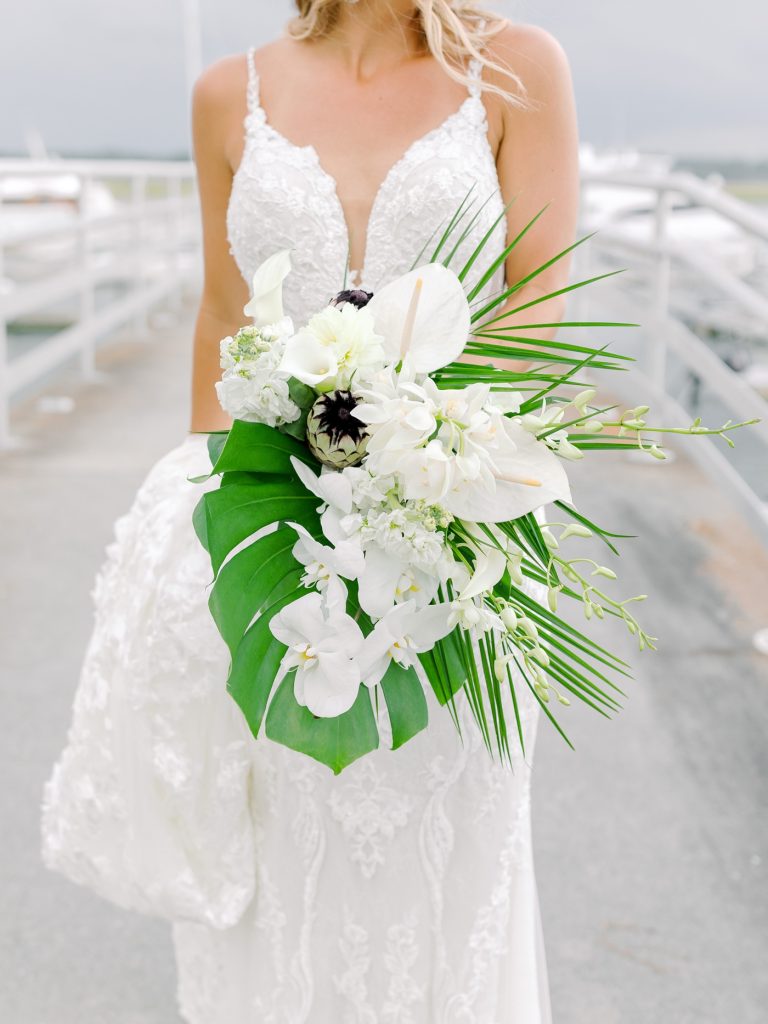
685,76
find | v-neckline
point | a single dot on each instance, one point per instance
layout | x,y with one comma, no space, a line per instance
333,186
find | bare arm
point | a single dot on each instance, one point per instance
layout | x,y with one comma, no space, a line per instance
538,164
224,290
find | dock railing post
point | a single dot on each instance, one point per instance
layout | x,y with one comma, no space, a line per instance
174,195
661,291
138,201
88,286
5,416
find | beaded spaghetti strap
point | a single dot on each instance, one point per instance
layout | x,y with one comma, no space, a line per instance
475,72
253,82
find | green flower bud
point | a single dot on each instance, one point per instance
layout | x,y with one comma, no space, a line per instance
575,530
582,400
509,618
549,538
528,626
540,656
603,570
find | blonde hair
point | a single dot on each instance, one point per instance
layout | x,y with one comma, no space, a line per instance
454,31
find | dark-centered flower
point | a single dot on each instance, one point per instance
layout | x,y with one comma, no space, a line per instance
355,296
336,437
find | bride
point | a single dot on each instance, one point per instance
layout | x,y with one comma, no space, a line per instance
402,890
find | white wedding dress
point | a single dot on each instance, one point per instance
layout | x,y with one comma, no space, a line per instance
399,892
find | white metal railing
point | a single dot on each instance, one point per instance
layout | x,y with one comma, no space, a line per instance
657,262
120,237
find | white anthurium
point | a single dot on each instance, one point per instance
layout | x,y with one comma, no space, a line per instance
332,488
323,645
490,564
428,322
526,474
401,635
325,564
266,304
386,581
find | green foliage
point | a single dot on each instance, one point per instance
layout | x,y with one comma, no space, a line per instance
244,526
335,742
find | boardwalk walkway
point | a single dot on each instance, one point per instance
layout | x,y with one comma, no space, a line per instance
651,839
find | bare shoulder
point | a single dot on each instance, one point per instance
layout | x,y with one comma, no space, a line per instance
535,55
224,80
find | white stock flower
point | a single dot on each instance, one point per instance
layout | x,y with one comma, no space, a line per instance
323,643
338,344
252,388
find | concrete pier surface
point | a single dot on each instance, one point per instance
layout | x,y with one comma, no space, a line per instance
651,838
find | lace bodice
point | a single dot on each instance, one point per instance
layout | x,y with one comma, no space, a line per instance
282,197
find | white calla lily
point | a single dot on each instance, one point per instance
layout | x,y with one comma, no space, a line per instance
307,359
438,327
266,304
322,647
401,635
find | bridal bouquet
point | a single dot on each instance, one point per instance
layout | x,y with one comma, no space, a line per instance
381,507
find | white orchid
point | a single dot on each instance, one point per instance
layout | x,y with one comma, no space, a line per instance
323,643
334,489
473,616
458,449
324,565
266,304
338,344
546,419
401,635
386,581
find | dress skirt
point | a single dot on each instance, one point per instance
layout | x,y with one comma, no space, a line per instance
400,892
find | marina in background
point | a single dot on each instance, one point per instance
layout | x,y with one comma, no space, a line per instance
87,246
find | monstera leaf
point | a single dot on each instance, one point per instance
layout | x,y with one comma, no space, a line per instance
242,526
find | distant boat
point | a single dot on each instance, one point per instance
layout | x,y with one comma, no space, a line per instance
32,209
630,212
